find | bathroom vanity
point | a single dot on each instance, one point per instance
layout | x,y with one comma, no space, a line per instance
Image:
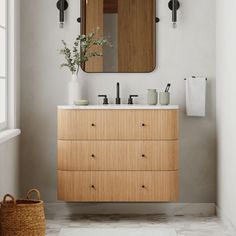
118,153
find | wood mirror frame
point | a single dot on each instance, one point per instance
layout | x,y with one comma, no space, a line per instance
133,39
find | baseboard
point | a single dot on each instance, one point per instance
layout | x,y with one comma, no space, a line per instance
62,210
226,221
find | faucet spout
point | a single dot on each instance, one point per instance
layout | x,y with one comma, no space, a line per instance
118,93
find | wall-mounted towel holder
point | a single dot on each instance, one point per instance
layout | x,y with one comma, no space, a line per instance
193,77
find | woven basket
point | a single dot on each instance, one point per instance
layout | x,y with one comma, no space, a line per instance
22,217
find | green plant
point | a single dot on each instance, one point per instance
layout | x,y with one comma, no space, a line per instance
82,50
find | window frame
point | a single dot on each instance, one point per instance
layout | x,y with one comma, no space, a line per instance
12,66
4,125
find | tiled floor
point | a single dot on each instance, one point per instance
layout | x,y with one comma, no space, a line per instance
183,225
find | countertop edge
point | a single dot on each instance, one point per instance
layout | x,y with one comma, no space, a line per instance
118,107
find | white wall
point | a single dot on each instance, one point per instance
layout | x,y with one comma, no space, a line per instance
9,168
185,51
226,107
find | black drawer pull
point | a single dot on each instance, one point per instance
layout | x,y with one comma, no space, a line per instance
143,155
143,124
92,186
93,155
92,124
143,186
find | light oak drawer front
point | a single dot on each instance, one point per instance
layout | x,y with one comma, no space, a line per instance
118,124
118,186
118,155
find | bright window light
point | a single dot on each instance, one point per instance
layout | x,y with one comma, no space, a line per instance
3,66
2,101
3,13
2,52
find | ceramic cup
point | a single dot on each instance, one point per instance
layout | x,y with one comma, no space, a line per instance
152,97
164,98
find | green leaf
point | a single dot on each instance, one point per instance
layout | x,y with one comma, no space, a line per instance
82,50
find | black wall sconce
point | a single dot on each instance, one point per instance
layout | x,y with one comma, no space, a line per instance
174,6
62,5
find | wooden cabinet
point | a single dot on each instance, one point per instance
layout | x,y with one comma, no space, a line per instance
108,186
118,124
118,155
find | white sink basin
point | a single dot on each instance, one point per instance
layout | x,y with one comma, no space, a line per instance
120,107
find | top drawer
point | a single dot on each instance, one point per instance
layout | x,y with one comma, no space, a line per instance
118,124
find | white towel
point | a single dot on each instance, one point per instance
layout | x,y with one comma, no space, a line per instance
196,96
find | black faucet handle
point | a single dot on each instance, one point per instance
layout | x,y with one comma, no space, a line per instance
105,100
130,100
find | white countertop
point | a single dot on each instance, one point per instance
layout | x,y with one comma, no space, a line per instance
119,107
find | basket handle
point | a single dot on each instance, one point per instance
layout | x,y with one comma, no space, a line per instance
11,198
31,191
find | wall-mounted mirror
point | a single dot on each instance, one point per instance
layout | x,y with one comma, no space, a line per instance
130,27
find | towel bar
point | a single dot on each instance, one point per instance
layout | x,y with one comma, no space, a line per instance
193,77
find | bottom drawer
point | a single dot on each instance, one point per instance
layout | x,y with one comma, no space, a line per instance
118,186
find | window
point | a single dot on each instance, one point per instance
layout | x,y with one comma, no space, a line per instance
3,65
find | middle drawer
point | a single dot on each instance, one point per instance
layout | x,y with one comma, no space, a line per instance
118,155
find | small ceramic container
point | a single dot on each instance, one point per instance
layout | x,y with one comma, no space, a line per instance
152,97
164,98
81,103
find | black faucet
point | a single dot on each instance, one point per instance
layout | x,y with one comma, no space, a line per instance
118,93
130,100
105,99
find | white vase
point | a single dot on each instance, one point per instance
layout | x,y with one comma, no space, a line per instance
74,89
